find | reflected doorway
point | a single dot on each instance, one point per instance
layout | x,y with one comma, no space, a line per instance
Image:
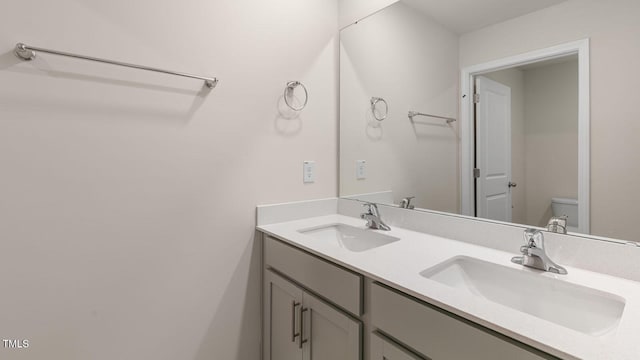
527,131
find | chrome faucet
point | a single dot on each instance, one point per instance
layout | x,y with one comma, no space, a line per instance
534,255
372,215
558,224
406,202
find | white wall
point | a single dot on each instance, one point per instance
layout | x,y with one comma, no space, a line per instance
404,57
551,137
613,29
128,198
350,11
514,78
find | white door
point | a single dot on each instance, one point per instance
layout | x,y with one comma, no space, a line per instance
493,150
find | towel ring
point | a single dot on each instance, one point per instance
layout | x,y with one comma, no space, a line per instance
288,91
374,102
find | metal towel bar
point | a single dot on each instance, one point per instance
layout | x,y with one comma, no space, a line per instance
415,113
27,53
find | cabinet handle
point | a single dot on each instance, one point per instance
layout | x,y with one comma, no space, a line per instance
294,334
302,340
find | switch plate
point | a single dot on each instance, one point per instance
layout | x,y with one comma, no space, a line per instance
308,172
361,167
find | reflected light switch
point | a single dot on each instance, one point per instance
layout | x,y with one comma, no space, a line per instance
361,169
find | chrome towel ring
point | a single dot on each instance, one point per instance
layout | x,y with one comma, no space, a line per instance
288,92
374,110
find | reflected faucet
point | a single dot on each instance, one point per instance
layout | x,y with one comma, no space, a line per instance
406,202
534,255
372,215
558,224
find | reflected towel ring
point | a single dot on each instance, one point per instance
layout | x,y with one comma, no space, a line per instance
374,102
288,92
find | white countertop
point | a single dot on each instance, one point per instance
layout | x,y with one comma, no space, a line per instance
399,264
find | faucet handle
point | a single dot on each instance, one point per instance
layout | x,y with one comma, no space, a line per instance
371,208
534,255
534,238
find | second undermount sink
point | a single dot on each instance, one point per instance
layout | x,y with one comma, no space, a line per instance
580,308
349,237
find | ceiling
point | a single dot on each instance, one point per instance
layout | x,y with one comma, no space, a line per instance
463,16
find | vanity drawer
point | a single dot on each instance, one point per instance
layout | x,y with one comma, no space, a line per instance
383,348
330,281
438,334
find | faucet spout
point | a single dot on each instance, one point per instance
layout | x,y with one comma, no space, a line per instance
406,203
558,224
372,215
534,255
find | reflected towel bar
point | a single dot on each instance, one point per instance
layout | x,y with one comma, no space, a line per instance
27,53
415,113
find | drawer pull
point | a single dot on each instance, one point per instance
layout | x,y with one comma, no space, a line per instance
294,334
302,339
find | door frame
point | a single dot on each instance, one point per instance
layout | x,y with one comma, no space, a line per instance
467,121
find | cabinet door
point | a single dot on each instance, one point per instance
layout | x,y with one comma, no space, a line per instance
328,333
283,303
384,349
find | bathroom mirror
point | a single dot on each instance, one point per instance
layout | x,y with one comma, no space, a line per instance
463,110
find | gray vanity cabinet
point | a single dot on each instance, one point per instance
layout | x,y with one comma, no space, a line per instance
300,326
318,310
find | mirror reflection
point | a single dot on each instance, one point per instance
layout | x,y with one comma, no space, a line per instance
489,115
527,143
403,57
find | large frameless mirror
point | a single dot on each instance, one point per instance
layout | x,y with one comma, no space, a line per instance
484,113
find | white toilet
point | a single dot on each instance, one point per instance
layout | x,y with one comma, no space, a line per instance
568,207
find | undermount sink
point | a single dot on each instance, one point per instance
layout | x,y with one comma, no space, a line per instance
349,237
583,309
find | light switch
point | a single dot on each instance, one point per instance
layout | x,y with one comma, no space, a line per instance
309,171
361,169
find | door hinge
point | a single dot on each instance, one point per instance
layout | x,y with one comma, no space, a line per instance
476,173
476,98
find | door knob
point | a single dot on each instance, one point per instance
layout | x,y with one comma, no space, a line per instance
512,184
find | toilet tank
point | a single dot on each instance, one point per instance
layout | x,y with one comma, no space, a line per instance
568,207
